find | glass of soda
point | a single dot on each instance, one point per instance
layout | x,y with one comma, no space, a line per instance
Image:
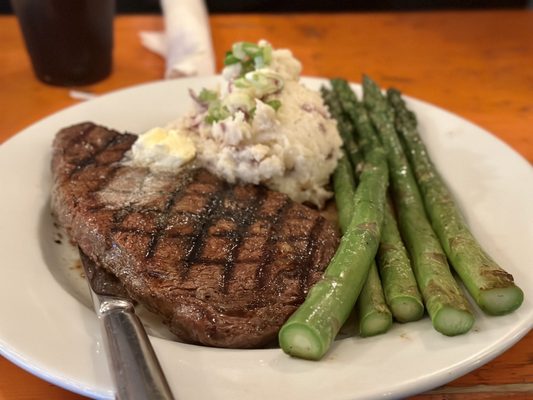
70,42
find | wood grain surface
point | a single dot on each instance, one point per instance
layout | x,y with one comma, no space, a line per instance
478,65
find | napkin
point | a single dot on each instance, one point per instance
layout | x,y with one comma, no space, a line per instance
186,42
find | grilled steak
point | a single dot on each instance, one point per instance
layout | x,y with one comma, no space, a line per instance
224,264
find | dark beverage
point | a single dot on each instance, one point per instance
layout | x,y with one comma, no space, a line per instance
69,41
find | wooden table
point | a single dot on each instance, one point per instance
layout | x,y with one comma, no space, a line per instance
476,64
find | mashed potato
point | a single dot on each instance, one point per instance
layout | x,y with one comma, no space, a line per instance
263,126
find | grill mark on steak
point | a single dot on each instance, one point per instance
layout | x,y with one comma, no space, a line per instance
85,130
118,218
81,165
198,239
243,223
268,250
309,256
163,220
227,263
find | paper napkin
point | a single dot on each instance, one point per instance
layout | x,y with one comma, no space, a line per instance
186,42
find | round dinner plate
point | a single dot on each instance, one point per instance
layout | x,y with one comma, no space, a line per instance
47,328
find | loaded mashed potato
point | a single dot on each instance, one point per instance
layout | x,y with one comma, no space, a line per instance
260,126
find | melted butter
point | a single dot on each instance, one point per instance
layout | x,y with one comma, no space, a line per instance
166,149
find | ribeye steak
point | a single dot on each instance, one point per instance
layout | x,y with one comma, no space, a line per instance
224,264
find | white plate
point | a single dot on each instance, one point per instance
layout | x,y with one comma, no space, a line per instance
47,329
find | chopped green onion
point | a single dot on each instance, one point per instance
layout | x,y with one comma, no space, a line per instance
208,96
250,55
264,82
242,83
216,112
275,104
230,59
247,66
239,100
251,49
259,62
238,50
267,54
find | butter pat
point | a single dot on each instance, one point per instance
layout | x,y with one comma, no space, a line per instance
163,149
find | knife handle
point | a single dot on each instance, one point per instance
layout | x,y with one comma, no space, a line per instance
135,369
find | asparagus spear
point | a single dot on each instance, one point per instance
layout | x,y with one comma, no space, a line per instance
446,305
491,286
345,128
309,332
400,287
374,317
373,314
344,188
